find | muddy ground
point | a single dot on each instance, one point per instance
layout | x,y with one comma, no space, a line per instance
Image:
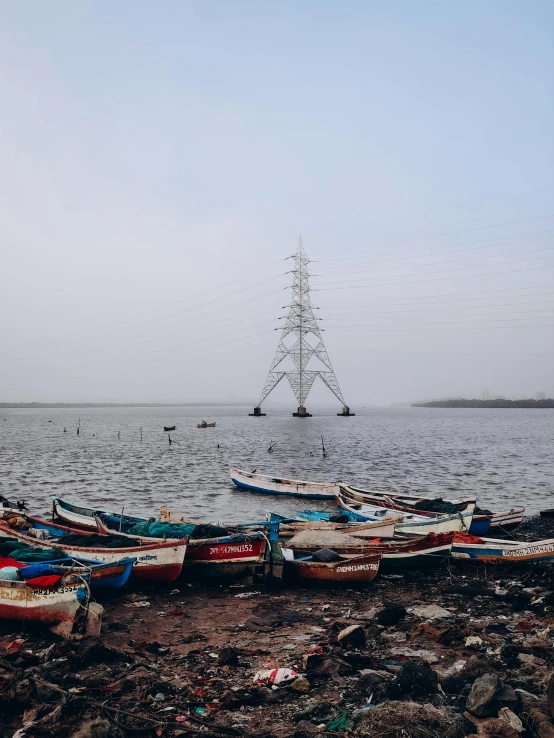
398,658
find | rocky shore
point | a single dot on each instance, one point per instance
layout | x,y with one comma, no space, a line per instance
463,650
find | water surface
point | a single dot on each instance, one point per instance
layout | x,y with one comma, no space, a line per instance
504,457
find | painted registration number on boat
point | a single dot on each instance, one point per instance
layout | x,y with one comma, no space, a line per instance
60,590
360,567
529,550
242,548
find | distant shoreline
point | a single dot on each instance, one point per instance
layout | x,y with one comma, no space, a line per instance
522,404
32,405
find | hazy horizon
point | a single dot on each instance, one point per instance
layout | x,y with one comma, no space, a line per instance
160,162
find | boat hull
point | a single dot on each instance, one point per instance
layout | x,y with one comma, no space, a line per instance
480,525
425,552
56,609
491,551
102,576
268,485
443,524
161,562
357,570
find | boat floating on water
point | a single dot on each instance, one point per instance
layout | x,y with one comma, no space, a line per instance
281,486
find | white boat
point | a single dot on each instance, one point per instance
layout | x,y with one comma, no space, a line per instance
155,561
57,609
360,512
273,485
506,519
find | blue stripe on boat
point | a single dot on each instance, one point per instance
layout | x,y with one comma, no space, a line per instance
306,496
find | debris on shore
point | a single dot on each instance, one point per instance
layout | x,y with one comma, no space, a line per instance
459,651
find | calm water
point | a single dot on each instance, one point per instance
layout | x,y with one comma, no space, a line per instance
504,457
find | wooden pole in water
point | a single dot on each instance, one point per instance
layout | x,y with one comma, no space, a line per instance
79,426
121,518
141,433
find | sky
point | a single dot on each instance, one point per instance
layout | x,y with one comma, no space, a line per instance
159,161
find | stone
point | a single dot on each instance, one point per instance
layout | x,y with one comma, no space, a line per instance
228,657
481,700
429,612
391,614
511,719
301,684
352,636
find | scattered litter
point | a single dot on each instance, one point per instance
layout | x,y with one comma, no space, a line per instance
429,612
246,595
276,676
139,603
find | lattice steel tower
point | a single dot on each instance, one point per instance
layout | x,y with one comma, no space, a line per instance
301,342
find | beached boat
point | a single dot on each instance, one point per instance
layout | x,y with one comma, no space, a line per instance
479,525
496,551
78,516
414,553
155,561
359,512
270,485
235,553
103,576
349,570
55,608
505,519
290,526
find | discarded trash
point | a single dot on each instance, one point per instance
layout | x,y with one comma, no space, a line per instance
340,723
430,612
246,595
276,676
474,642
139,603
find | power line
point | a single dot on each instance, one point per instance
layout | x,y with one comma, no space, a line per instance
439,263
436,235
437,279
365,262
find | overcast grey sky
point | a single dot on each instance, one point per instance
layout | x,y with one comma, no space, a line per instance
160,159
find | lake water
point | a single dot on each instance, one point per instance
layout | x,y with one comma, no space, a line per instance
504,457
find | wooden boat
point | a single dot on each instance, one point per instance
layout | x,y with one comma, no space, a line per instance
496,551
414,553
203,424
239,552
290,526
57,608
349,570
281,486
393,503
103,576
155,561
78,516
169,427
231,554
506,519
420,525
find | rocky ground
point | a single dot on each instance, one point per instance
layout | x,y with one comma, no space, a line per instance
464,650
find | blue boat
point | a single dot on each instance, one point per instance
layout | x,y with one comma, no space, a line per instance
102,575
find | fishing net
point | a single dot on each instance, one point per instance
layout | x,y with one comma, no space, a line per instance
482,511
157,529
438,506
23,552
207,530
95,540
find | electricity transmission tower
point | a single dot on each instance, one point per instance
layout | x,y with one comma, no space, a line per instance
301,342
